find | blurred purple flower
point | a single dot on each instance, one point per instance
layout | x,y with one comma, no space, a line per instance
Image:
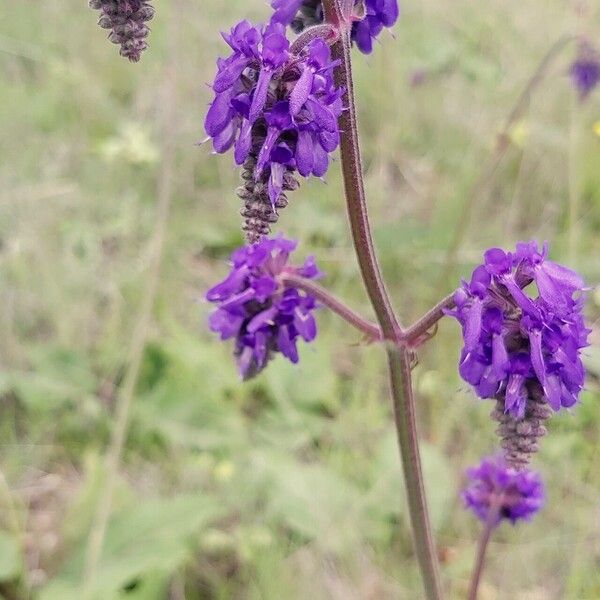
494,485
304,13
127,21
517,346
257,311
585,70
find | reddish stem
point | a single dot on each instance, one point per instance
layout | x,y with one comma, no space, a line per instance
398,356
371,330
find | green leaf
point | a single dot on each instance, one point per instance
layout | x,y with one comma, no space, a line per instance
312,500
153,537
11,559
388,498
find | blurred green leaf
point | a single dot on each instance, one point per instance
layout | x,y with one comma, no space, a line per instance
155,536
387,497
311,499
11,559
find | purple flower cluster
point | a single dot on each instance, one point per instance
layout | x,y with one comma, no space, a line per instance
278,106
494,485
518,346
366,27
127,21
585,70
257,310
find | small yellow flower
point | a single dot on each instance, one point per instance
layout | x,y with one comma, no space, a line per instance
224,471
132,144
596,128
519,133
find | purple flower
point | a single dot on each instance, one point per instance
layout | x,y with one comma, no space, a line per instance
127,21
585,70
519,345
278,108
366,27
255,309
379,14
494,485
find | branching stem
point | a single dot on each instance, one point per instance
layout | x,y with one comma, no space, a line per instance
412,337
398,356
371,330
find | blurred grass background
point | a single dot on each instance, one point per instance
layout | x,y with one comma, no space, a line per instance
288,486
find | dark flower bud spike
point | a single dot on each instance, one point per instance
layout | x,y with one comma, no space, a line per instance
127,21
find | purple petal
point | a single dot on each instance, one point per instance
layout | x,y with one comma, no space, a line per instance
301,90
286,345
232,284
243,143
473,324
219,114
260,94
225,323
262,319
305,325
304,153
229,73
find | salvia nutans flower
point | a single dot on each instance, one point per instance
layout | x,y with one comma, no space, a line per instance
585,70
278,111
376,14
494,485
521,349
127,21
257,311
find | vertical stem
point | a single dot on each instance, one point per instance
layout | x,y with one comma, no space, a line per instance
101,517
398,357
406,431
484,540
354,186
574,182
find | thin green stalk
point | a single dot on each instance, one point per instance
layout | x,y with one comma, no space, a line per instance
398,356
484,540
574,182
139,338
17,527
493,163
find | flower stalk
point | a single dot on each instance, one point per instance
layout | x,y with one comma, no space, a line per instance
484,540
369,329
412,337
398,356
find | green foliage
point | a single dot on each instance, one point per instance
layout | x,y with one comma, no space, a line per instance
288,486
11,558
147,540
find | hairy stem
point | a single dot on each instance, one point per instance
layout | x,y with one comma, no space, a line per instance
125,396
415,333
414,336
371,330
353,182
484,540
398,356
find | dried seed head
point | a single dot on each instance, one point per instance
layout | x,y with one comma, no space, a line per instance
127,21
258,211
520,438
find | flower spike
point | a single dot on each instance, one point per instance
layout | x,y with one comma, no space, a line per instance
258,311
278,110
521,350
